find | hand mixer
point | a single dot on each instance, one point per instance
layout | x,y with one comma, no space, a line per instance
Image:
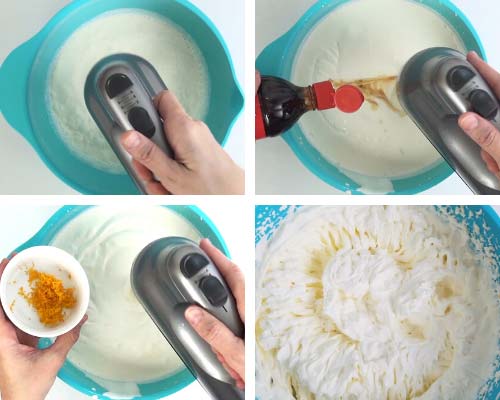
167,277
435,87
119,95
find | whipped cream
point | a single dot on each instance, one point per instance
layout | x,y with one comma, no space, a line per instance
120,342
374,303
361,40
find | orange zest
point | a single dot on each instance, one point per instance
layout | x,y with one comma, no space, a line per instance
48,297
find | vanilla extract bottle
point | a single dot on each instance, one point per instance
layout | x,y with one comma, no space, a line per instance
279,104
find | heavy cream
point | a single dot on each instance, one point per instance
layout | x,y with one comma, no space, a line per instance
374,303
370,39
165,45
120,342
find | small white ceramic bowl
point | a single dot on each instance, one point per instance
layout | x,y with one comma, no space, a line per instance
53,261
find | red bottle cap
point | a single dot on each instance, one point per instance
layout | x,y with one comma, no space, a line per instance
349,98
260,129
325,95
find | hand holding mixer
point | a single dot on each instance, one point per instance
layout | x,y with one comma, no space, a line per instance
435,87
119,94
170,275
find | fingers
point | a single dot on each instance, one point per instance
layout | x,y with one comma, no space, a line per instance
169,106
482,132
231,273
156,189
27,339
145,174
3,265
145,152
179,127
219,337
152,186
490,163
240,381
488,73
258,81
64,343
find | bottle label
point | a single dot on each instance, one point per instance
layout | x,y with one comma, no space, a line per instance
260,129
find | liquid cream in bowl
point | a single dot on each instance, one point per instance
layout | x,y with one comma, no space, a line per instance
166,46
364,40
375,303
120,342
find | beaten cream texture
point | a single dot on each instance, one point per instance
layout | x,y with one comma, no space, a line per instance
166,46
120,342
368,39
373,303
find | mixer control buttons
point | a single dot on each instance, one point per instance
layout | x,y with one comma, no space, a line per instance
483,104
458,77
192,264
141,121
117,84
214,291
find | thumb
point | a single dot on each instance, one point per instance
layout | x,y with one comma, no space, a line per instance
64,343
219,337
483,132
150,155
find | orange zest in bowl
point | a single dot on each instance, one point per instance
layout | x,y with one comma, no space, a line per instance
48,297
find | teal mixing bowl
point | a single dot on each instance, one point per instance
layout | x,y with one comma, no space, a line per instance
278,59
24,78
77,378
482,223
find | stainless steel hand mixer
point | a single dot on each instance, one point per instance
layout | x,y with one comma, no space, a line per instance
167,277
435,87
119,94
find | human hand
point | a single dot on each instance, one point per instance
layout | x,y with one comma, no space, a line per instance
483,132
27,373
230,349
258,81
200,166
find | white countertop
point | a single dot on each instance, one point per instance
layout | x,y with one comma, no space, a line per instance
25,221
20,20
278,170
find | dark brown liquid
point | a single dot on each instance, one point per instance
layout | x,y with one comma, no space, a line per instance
282,104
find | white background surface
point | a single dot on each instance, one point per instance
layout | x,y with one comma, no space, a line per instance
20,20
278,170
27,220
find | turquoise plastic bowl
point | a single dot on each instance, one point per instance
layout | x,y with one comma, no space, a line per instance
278,59
71,374
270,217
24,78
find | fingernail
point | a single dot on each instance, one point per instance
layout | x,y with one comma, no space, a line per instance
469,123
193,315
132,140
473,53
